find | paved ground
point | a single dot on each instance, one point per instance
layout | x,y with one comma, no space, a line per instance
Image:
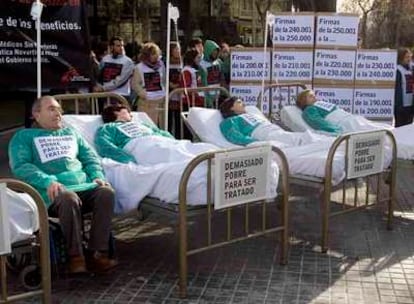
365,264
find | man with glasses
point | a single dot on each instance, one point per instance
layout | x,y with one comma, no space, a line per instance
116,70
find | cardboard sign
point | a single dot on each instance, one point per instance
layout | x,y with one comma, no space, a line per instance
337,31
334,65
292,65
54,147
374,102
376,66
250,65
249,94
365,154
293,30
342,97
133,130
241,176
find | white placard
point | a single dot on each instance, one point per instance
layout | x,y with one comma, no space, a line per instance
55,147
297,30
132,129
374,102
342,97
376,65
334,65
249,94
248,65
365,154
284,96
5,244
241,176
292,65
337,30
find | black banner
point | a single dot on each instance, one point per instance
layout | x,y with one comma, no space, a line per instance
64,41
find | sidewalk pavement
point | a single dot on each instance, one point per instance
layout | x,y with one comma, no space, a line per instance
366,263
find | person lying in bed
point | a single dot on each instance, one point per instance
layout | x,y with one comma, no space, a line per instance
325,116
242,128
124,140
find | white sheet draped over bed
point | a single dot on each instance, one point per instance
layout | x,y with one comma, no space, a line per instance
23,215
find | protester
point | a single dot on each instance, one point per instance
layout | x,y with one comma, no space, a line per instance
148,82
124,140
242,128
224,56
325,116
212,66
403,98
174,83
59,164
116,70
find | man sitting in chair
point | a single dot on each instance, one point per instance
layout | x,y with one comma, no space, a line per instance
124,140
242,128
66,171
325,116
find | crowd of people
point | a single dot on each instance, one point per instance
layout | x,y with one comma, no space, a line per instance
141,76
67,172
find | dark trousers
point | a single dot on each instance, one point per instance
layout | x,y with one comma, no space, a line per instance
69,207
403,116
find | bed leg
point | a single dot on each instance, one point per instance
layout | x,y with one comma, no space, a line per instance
325,200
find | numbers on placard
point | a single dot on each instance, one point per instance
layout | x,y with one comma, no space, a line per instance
305,38
378,111
381,65
339,73
378,102
297,74
343,30
339,64
253,73
380,74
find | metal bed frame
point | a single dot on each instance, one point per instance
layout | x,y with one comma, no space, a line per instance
42,240
181,212
325,183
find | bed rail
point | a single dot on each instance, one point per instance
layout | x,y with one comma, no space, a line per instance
90,100
286,94
43,243
191,93
325,183
282,209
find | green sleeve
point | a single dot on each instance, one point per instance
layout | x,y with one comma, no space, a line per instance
106,147
232,133
89,159
317,121
159,131
21,163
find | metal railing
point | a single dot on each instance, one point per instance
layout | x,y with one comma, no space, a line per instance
43,243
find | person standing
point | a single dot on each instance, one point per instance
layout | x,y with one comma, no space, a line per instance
115,70
403,98
65,170
148,82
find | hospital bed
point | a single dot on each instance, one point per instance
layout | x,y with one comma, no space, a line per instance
324,166
185,207
35,233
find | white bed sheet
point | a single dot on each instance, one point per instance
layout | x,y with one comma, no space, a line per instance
405,141
134,182
23,215
291,116
307,160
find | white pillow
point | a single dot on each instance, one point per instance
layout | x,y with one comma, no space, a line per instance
87,125
291,117
206,124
